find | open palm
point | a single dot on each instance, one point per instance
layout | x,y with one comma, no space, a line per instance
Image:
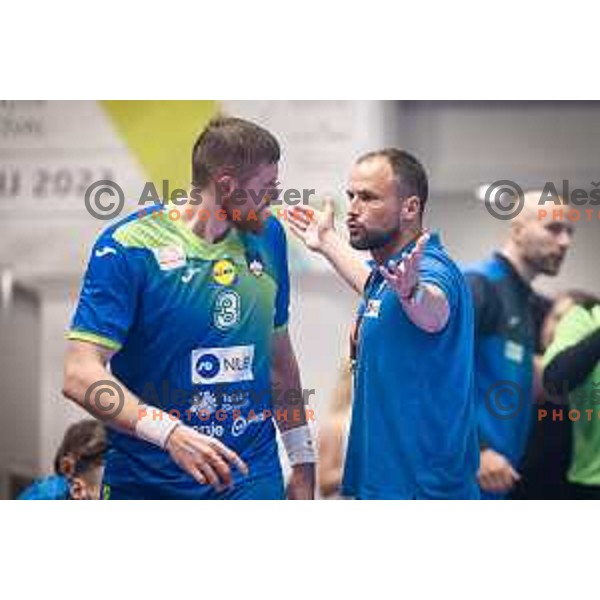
312,225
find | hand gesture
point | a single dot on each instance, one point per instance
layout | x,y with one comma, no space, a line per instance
403,276
205,458
310,225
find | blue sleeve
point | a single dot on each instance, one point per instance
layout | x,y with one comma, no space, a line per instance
437,271
279,249
55,487
108,298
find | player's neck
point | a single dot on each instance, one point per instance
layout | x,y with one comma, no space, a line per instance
511,253
405,237
203,219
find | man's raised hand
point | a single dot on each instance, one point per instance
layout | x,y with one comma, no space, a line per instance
403,276
311,225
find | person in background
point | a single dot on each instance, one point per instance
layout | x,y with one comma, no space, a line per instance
572,366
78,466
549,452
508,319
333,436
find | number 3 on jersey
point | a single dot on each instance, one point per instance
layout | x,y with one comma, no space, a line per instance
227,310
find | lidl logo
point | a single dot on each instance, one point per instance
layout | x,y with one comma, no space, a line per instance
224,272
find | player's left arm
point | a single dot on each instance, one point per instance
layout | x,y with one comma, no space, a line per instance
288,406
424,302
290,416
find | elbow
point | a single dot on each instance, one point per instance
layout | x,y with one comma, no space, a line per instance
69,385
73,387
438,315
436,323
434,327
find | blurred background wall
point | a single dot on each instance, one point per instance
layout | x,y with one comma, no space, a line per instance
50,152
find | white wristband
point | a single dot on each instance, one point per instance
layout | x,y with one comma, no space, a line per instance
299,445
155,425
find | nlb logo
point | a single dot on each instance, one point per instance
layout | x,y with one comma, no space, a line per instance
207,366
222,365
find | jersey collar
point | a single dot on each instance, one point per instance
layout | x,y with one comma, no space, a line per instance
434,241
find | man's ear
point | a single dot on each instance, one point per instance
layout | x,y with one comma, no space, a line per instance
78,489
411,208
225,184
67,465
517,230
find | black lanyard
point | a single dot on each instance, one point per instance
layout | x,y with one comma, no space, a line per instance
355,330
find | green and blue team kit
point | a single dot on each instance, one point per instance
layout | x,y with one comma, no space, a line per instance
191,324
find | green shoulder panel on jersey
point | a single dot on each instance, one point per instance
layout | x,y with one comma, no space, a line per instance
157,230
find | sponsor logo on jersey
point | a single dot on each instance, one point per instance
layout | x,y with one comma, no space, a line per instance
372,309
170,257
189,274
514,352
256,268
224,272
239,426
222,365
514,321
105,251
241,423
204,403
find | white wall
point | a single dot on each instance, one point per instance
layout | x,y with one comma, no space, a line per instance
55,411
20,378
35,414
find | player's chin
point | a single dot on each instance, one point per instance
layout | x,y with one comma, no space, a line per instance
359,242
551,267
249,226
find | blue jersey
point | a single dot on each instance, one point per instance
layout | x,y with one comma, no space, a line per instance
508,316
192,325
413,431
55,487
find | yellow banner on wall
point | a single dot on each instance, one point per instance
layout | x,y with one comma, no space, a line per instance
161,134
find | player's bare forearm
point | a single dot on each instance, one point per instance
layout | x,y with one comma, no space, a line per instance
427,308
289,409
88,383
316,230
290,416
331,443
337,251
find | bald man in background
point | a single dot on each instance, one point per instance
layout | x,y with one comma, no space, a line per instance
508,319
